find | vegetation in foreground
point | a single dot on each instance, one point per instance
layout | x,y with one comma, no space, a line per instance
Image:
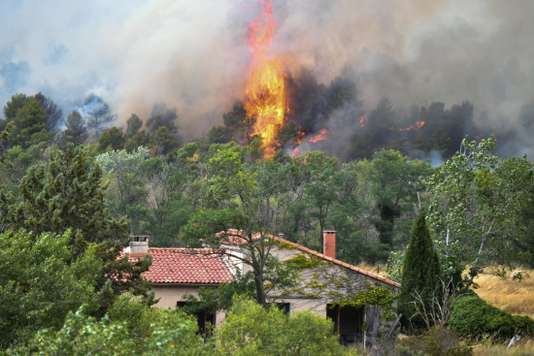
67,205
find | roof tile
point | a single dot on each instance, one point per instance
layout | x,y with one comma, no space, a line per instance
187,266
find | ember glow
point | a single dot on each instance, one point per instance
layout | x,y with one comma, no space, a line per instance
419,124
265,92
321,136
363,120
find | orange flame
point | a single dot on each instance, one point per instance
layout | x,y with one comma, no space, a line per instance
321,136
363,120
265,91
419,124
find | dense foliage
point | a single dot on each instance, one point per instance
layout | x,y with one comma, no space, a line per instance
40,283
129,328
474,318
73,189
252,330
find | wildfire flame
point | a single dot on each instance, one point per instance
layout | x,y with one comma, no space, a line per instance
321,136
265,92
419,124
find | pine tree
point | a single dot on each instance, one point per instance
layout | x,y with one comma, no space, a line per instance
75,130
66,193
421,271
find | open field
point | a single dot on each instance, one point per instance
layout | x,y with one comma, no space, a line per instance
516,297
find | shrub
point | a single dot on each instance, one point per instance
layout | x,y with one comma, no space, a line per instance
436,341
474,318
158,332
41,282
250,329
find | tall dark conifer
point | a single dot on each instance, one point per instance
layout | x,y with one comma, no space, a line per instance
421,271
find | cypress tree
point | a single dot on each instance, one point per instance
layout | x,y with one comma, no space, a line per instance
421,271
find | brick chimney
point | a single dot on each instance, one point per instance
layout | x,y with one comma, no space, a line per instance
329,243
138,245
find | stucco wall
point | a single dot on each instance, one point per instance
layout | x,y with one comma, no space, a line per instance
167,297
315,306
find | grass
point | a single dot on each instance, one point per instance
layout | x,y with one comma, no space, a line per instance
516,297
488,349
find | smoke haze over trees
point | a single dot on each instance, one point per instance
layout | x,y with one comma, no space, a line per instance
194,58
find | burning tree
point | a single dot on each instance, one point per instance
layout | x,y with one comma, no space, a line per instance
265,92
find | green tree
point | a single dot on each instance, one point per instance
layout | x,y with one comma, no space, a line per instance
164,141
219,134
126,192
40,282
135,135
250,329
394,182
421,273
111,139
476,203
53,112
320,189
75,130
244,202
15,162
65,193
236,123
133,125
26,122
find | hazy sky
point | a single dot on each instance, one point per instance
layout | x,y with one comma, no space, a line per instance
193,55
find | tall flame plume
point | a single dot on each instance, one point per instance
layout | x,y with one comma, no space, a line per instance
265,92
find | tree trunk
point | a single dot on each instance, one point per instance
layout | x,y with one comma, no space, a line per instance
260,291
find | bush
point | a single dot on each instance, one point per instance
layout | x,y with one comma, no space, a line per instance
436,341
145,332
41,282
250,329
474,318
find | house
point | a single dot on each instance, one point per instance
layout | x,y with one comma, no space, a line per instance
325,285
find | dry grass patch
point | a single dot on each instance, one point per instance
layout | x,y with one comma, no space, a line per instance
513,296
488,349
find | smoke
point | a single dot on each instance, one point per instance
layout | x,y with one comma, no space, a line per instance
192,55
418,52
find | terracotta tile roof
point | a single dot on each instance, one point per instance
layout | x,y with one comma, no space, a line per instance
187,266
353,268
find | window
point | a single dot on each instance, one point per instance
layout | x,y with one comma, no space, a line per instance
284,307
205,318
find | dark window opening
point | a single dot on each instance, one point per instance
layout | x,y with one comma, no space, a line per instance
284,307
205,317
348,323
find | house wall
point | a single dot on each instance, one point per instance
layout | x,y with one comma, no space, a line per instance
167,297
327,283
336,280
315,306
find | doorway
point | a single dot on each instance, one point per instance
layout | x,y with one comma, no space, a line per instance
348,322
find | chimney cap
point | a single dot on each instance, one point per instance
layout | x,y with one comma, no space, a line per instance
140,238
329,231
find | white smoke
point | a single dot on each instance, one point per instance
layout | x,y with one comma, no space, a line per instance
193,55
